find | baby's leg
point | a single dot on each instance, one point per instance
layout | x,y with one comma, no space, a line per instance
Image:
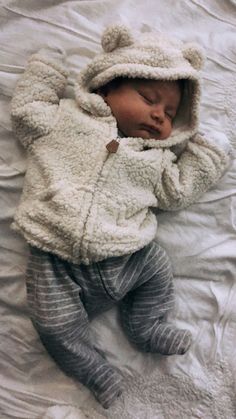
144,309
62,323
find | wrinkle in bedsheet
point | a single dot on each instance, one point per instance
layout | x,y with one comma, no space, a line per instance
220,10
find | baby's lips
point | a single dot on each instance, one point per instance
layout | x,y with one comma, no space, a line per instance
151,129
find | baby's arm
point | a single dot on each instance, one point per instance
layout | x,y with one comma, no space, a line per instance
36,98
186,178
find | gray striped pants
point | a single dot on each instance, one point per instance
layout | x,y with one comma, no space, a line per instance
63,296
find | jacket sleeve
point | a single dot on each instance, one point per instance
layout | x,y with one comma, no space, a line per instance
186,178
35,101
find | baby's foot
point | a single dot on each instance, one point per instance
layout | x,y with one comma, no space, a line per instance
169,340
107,387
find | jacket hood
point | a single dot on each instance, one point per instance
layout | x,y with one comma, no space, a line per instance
149,56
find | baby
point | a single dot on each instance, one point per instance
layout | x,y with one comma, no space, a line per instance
143,108
97,165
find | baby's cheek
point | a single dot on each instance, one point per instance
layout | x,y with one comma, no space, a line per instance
166,131
169,129
128,118
132,112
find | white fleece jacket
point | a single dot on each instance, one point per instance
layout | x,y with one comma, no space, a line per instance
79,201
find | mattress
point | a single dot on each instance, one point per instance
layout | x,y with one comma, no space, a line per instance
200,240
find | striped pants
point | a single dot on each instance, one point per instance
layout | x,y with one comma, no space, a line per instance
63,296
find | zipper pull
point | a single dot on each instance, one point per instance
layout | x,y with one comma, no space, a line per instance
112,146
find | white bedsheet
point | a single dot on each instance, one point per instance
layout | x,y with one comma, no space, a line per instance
200,240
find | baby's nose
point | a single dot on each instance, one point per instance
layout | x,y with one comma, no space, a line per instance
158,113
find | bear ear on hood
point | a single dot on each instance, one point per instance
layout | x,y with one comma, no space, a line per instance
194,54
116,36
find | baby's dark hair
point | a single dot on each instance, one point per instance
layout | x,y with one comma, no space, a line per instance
112,85
117,82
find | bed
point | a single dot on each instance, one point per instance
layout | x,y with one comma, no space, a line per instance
200,240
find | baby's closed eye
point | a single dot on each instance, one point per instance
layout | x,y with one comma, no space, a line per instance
147,98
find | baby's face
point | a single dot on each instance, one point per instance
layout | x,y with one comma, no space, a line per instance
145,108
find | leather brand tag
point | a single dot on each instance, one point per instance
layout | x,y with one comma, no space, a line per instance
112,146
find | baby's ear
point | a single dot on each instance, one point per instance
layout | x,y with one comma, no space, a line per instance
194,54
116,36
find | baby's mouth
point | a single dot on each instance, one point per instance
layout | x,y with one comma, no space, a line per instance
152,130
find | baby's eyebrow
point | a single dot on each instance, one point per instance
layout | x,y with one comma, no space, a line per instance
145,87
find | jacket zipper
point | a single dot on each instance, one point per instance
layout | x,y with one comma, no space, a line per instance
95,187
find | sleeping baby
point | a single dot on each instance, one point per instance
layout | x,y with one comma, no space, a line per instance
97,167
